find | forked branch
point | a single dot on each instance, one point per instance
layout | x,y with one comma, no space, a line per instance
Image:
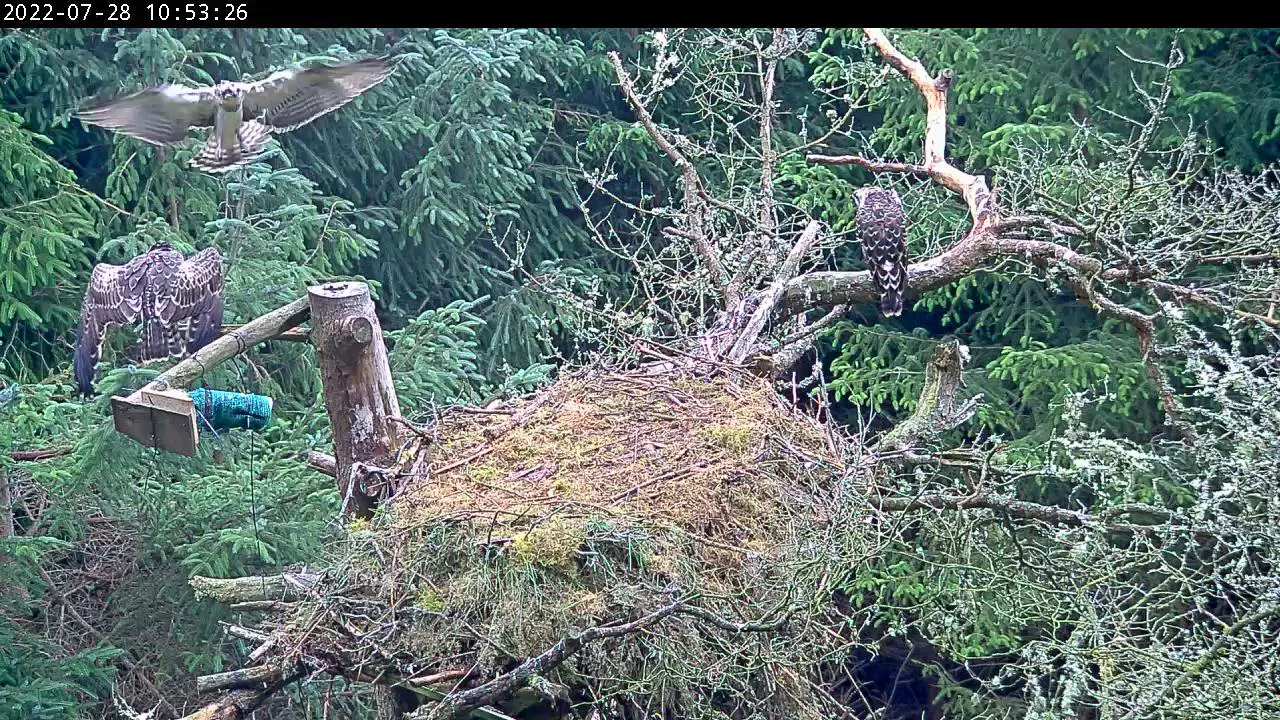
973,188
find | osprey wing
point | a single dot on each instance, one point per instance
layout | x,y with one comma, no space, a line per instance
195,295
114,297
160,115
292,98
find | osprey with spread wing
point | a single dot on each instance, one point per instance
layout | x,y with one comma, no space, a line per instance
178,302
243,115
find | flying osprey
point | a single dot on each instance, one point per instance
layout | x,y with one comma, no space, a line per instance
242,115
177,301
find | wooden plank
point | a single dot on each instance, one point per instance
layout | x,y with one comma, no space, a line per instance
164,419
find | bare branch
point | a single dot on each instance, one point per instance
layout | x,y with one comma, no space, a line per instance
973,188
283,587
242,678
873,166
768,221
794,346
457,705
36,455
707,252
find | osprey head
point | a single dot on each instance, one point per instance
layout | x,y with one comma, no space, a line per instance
162,245
861,194
229,95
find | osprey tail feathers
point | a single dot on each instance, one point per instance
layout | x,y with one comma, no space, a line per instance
890,279
86,357
251,142
205,326
155,340
891,303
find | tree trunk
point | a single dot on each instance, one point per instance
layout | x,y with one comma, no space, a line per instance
358,393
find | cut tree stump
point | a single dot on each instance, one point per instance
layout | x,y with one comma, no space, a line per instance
358,392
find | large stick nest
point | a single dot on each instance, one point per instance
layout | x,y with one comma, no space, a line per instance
603,499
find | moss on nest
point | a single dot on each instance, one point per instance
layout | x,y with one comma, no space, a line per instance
678,450
601,500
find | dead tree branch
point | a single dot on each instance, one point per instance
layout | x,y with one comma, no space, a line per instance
795,345
228,591
250,677
457,705
35,455
694,204
322,462
294,335
240,704
973,188
973,254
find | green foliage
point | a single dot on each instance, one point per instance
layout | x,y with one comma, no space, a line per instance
44,218
433,358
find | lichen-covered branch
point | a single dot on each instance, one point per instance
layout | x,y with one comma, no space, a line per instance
242,678
936,410
36,455
228,591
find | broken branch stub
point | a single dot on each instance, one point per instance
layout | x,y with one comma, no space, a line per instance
937,410
359,395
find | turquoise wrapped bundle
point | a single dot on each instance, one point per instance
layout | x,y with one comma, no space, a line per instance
221,410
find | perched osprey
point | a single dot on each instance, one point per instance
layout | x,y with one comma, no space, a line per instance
882,228
242,115
179,302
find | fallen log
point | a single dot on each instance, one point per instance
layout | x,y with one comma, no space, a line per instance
250,677
255,588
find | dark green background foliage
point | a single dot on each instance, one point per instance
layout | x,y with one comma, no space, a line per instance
453,188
